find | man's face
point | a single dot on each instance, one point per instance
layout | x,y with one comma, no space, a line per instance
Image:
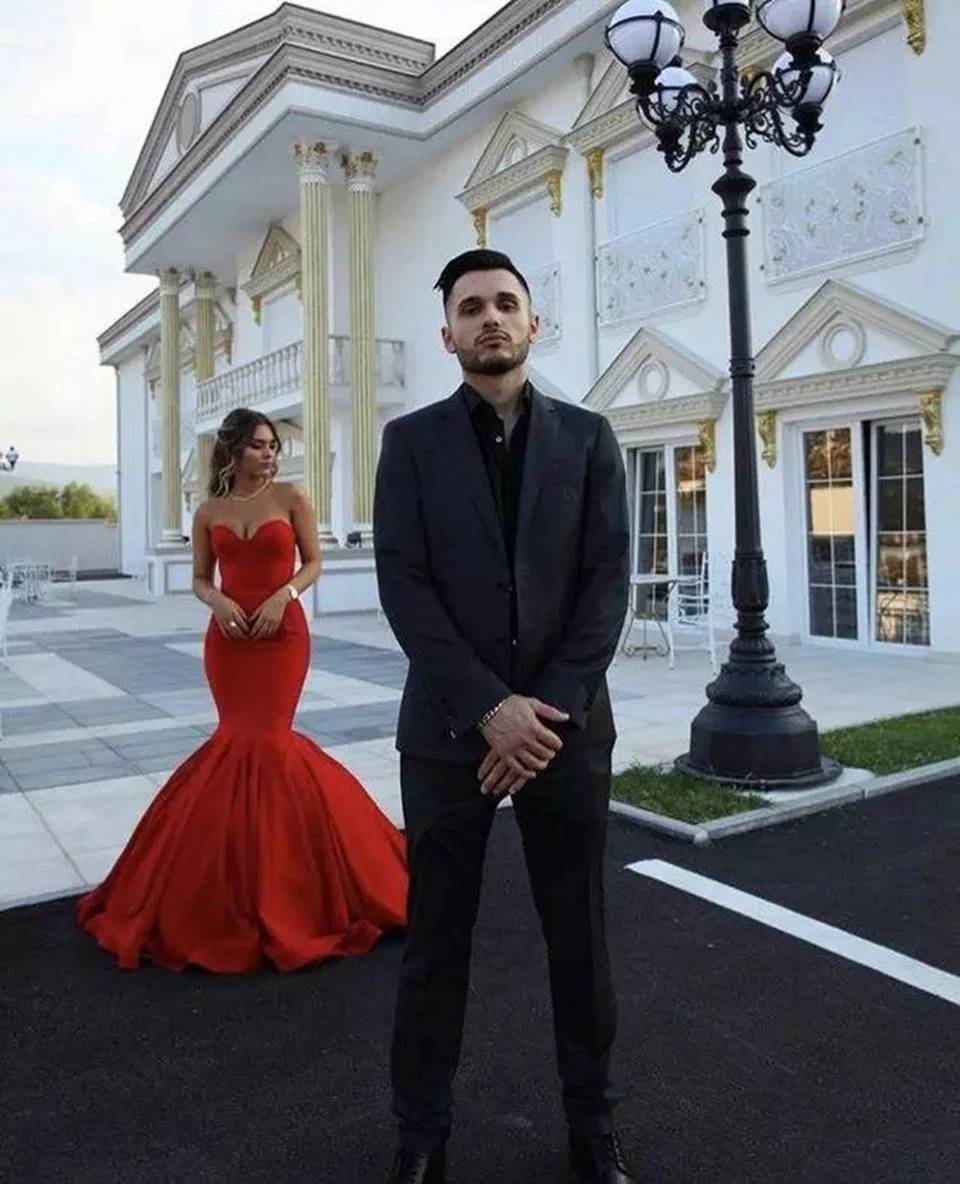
490,326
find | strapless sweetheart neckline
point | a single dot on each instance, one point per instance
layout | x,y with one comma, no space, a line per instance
250,537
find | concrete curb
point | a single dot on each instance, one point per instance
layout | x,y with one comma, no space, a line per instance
857,786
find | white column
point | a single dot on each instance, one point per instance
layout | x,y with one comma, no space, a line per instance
172,532
313,162
360,169
205,367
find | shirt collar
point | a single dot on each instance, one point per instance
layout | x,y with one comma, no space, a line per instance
476,402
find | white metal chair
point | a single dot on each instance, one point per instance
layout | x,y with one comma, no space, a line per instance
65,578
691,614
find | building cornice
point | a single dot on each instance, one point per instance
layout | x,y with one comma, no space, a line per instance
686,410
332,52
912,376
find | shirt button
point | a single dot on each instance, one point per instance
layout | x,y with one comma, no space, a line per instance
498,439
513,642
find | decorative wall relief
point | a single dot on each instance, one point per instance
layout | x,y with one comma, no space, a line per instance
545,294
864,203
914,13
651,271
767,431
931,412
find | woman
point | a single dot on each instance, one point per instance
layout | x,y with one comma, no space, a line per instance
260,847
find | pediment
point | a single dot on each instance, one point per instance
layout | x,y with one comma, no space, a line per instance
844,328
201,86
515,137
277,263
520,155
652,369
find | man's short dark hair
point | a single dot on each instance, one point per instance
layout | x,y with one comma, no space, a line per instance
478,260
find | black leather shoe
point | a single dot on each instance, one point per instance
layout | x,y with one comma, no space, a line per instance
419,1167
598,1159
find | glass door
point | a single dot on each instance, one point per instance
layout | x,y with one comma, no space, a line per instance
834,546
668,510
901,591
865,533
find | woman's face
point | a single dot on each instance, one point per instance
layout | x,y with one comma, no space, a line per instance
259,458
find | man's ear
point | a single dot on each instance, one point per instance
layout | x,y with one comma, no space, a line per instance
447,338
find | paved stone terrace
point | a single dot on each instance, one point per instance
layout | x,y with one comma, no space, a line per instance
103,695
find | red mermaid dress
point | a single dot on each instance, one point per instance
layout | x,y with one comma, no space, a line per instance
260,848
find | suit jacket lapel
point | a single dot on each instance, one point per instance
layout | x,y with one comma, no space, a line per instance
467,467
541,451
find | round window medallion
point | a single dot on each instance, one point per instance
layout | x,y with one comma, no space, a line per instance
843,345
188,121
653,380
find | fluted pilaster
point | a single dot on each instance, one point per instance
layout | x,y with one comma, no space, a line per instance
170,476
360,169
313,162
205,366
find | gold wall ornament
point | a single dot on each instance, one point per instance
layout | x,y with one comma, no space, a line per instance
555,191
480,226
255,302
298,285
915,15
931,412
595,172
767,430
707,437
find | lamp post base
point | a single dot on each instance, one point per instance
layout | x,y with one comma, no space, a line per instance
757,748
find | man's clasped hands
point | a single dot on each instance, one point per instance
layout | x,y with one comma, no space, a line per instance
521,746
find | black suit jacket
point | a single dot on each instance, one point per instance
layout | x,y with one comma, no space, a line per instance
445,579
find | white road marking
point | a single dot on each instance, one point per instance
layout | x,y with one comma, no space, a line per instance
837,941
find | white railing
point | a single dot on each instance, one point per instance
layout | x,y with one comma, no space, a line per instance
280,374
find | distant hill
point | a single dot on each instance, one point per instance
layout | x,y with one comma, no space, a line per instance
102,478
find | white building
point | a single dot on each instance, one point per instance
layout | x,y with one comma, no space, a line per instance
306,177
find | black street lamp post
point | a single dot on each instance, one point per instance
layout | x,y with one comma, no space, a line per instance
753,729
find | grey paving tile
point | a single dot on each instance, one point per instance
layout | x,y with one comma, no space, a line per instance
60,777
113,711
352,660
21,721
150,744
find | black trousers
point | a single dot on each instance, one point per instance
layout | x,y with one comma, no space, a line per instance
562,816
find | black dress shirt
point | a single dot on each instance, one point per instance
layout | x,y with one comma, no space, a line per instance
503,459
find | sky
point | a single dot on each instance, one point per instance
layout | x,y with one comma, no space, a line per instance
80,82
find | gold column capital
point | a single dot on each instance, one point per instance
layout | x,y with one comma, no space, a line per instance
169,278
313,159
360,170
767,430
205,285
480,226
931,412
915,16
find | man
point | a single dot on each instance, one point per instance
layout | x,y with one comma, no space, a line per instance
501,536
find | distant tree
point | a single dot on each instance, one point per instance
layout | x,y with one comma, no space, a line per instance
75,500
33,501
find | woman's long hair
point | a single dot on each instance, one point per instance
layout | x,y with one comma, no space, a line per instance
233,436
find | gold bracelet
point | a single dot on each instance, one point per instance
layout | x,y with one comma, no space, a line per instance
489,715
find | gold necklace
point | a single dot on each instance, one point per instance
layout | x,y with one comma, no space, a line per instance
249,496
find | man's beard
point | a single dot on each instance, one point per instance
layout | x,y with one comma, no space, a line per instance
475,361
